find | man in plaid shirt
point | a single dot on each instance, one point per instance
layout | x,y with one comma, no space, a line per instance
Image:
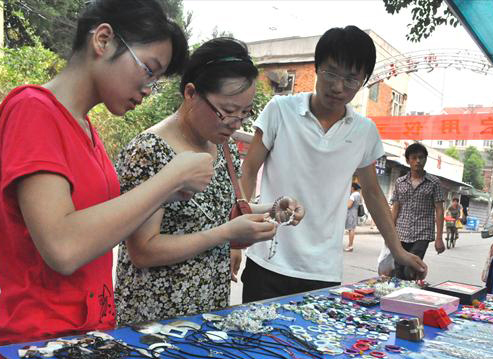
416,202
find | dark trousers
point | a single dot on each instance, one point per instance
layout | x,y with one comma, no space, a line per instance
419,248
260,283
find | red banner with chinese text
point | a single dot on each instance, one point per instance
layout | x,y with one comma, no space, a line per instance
436,127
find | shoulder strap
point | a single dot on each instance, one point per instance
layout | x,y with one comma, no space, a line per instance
231,170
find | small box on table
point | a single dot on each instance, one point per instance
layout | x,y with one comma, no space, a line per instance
465,292
414,301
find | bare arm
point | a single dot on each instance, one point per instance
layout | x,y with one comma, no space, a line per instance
350,203
380,212
396,207
68,238
439,246
257,153
148,248
439,218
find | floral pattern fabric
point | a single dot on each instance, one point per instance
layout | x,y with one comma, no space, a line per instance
199,284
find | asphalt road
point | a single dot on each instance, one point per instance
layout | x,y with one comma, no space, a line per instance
463,263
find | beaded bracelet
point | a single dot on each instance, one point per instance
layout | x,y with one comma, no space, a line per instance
273,210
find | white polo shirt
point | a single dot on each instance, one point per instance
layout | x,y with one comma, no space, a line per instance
316,168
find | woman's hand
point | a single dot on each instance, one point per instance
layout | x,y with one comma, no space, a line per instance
287,210
194,170
248,229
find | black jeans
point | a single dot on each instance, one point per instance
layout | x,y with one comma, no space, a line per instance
419,248
260,283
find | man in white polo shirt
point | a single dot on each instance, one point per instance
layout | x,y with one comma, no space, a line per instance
311,144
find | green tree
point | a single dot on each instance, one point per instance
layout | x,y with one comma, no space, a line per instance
220,33
54,22
473,168
453,152
489,154
27,65
427,15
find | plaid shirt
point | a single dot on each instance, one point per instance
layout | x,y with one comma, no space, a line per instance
416,218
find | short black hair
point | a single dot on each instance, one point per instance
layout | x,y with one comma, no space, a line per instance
355,186
216,60
349,47
415,148
137,22
455,199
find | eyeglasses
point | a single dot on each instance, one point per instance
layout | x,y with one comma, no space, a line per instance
331,77
153,84
228,119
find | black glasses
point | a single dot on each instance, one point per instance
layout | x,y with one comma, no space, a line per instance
332,77
228,119
152,82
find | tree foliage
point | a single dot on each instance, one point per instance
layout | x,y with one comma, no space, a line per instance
427,15
453,152
27,65
54,22
473,168
29,61
489,154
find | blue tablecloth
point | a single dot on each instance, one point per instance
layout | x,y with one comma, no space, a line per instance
131,337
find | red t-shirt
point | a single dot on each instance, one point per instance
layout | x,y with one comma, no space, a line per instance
38,134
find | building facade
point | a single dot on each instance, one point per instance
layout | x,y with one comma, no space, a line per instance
287,65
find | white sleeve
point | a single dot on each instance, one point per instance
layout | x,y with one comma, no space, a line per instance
374,147
268,122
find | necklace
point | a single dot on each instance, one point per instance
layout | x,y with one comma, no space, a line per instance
273,243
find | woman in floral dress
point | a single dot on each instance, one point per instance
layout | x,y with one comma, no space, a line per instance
178,263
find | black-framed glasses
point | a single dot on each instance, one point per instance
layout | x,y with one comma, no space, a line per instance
228,119
332,77
151,83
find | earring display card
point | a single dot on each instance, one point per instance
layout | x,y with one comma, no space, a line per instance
465,292
413,301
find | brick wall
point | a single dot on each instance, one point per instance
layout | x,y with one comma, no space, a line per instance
383,106
305,79
304,75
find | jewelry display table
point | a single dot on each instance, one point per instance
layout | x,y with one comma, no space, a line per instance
317,324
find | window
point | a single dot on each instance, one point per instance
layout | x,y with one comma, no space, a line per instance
374,92
397,104
460,143
488,143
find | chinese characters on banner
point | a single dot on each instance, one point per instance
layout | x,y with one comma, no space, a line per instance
438,127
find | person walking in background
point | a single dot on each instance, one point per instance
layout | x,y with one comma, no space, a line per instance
352,214
417,204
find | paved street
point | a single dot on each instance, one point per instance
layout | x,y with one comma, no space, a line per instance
463,263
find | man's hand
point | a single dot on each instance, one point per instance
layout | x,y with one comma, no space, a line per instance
439,246
287,207
419,267
235,264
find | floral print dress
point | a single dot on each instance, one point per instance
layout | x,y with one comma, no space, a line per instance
199,284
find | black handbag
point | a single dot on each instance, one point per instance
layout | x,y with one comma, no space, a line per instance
361,210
